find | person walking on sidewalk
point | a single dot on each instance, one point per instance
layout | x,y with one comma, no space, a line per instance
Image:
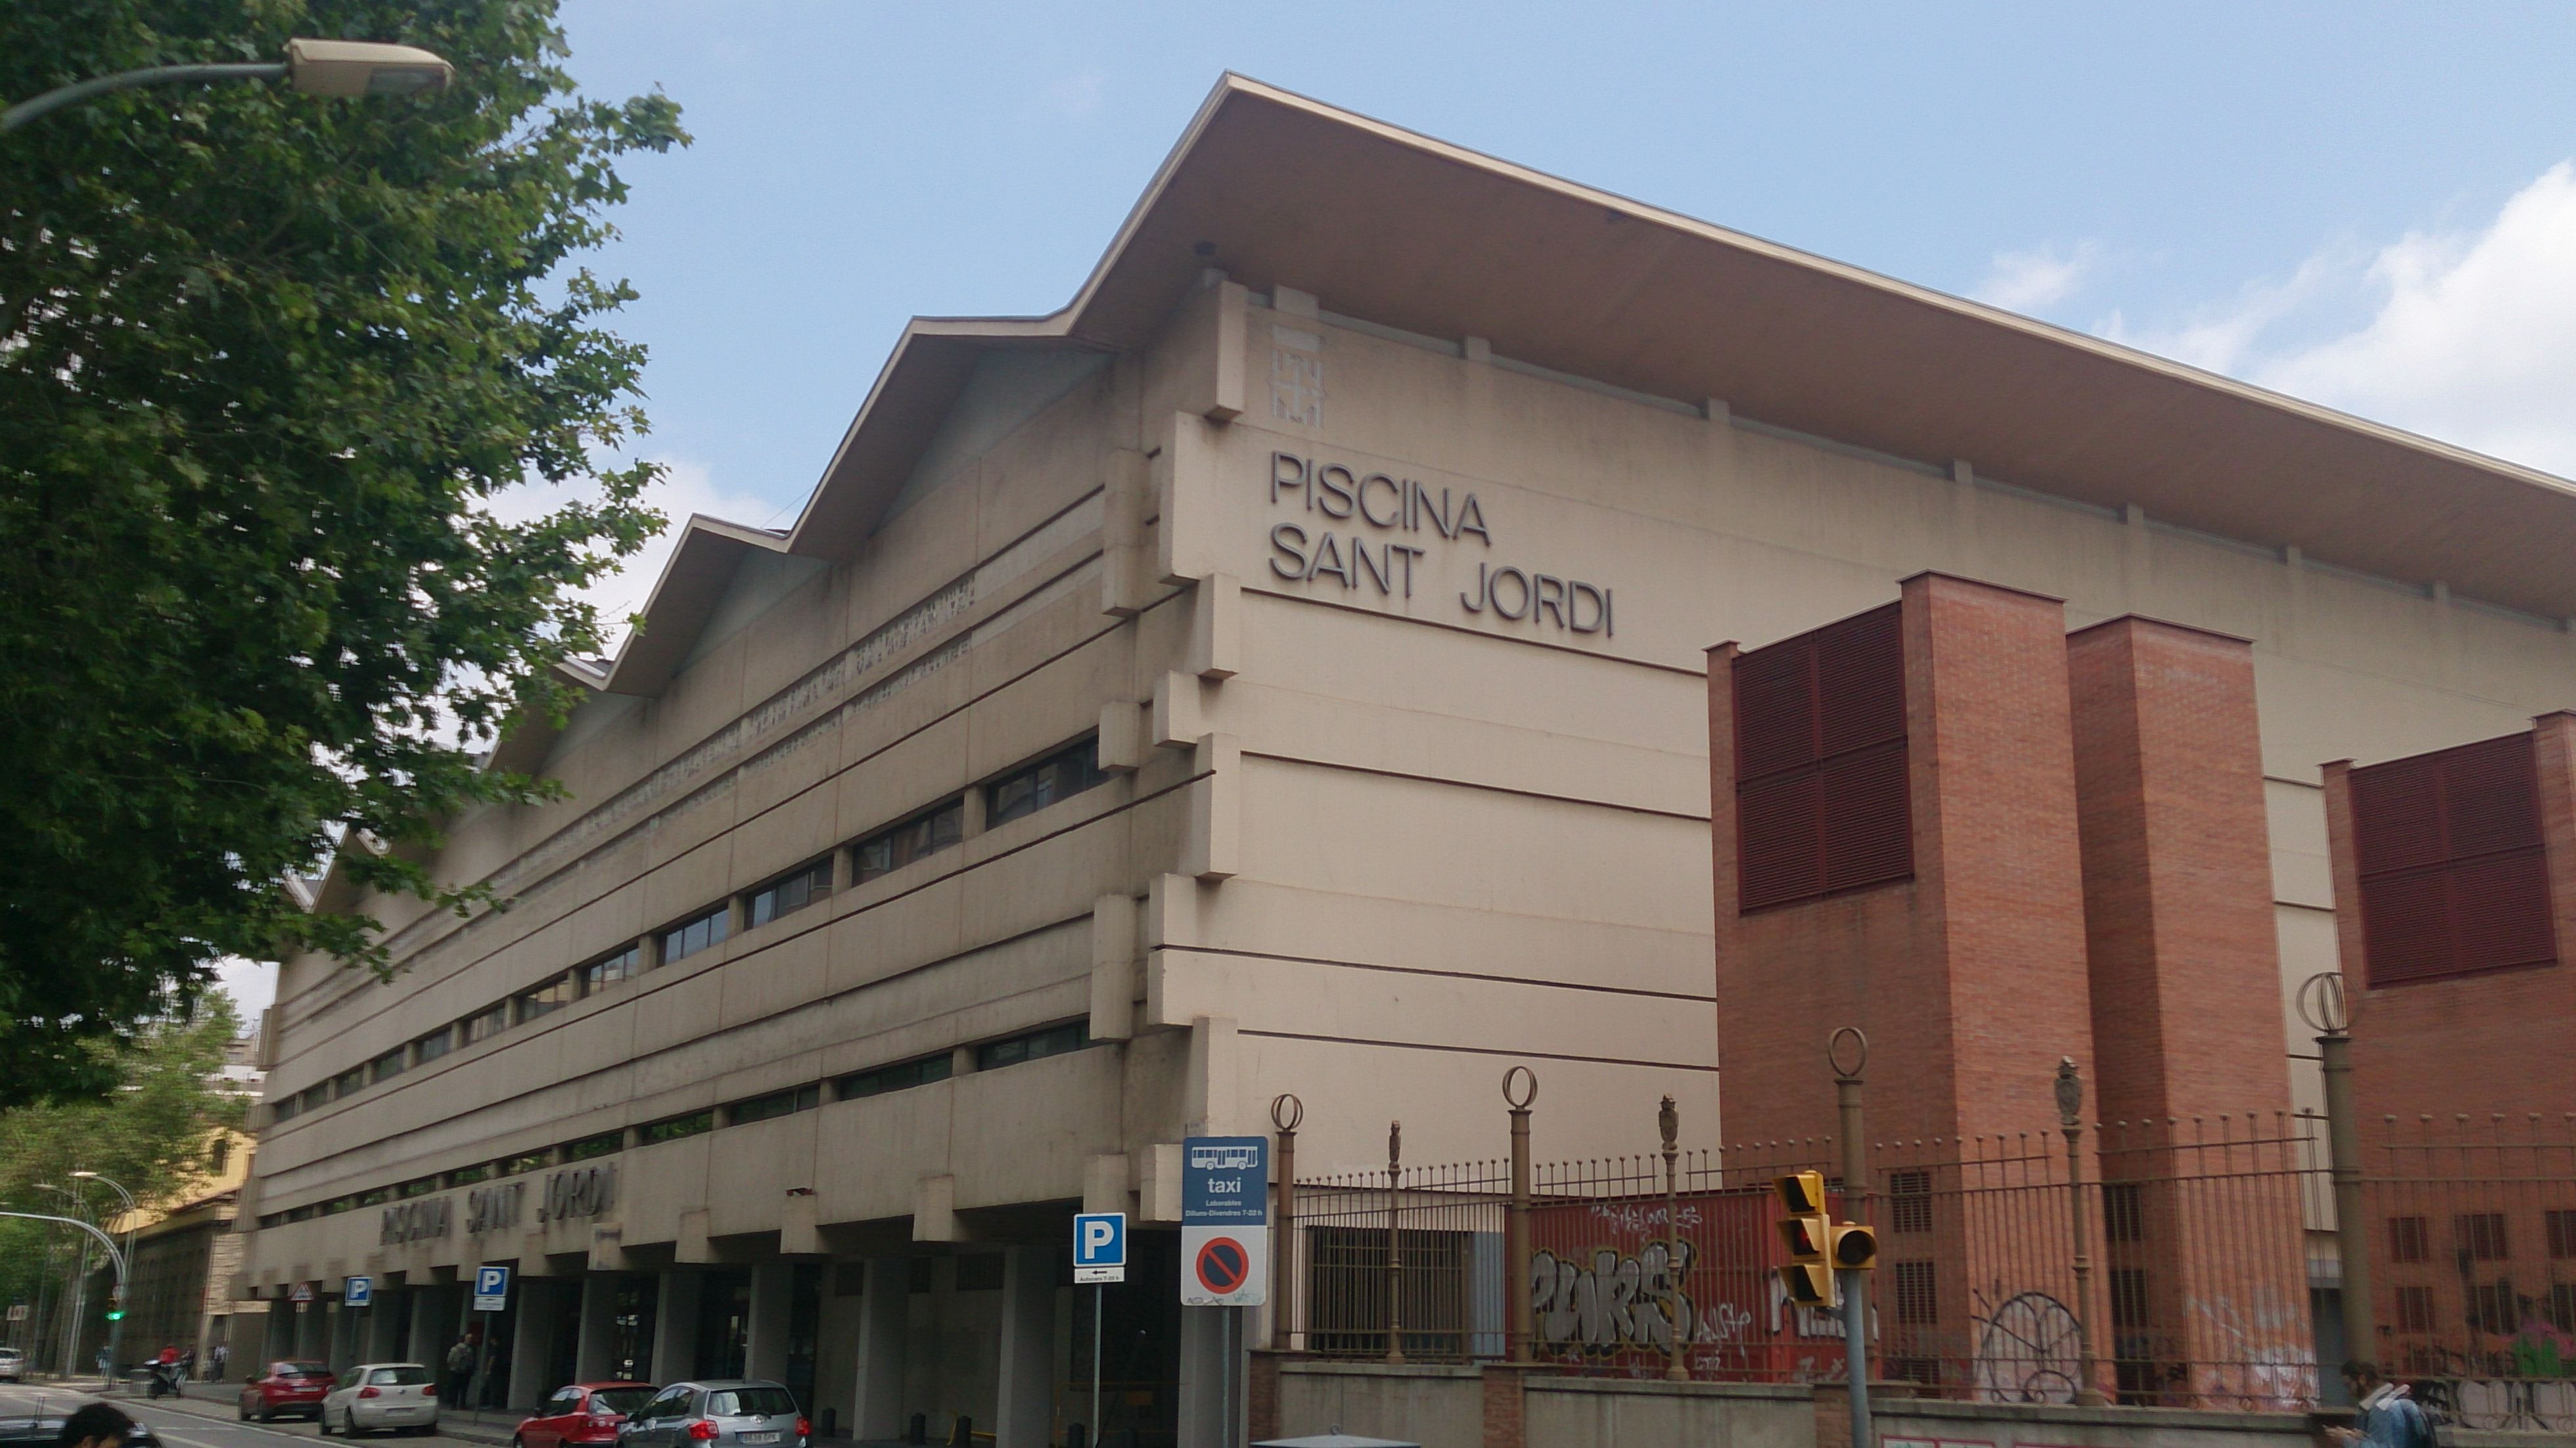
460,1372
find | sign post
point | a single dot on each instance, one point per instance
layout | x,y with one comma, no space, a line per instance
1225,1243
491,1294
1099,1258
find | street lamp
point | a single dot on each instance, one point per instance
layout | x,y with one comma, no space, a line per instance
315,67
116,1310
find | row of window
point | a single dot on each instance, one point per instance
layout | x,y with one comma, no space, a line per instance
876,1081
1023,791
2476,1237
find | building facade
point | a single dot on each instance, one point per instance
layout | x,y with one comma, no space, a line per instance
1283,671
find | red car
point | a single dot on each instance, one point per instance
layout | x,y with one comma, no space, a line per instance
581,1415
286,1389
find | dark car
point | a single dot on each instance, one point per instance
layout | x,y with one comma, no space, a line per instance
728,1412
287,1390
50,1430
582,1413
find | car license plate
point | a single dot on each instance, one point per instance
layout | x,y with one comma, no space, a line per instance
760,1437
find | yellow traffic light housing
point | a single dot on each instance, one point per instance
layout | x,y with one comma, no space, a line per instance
1855,1247
1808,1237
1801,1193
1810,1284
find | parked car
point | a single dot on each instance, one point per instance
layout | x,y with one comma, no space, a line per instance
582,1413
728,1412
287,1389
382,1398
48,1428
13,1365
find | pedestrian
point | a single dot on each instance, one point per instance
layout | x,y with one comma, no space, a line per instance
2388,1417
96,1425
460,1372
106,1367
215,1362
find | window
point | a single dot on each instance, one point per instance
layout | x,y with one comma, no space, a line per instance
316,1097
2452,874
406,1376
1909,1201
434,1045
981,1272
609,1402
299,1214
387,1066
669,1403
221,1155
554,995
777,1103
2561,1307
794,893
2129,1298
417,1187
1820,763
750,1403
679,1126
487,1025
2414,1309
2562,1234
466,1176
376,1198
912,840
895,1077
2481,1235
1917,1297
349,1082
1053,1041
1031,788
2124,1213
595,1146
2407,1239
525,1161
610,969
283,1109
691,936
337,1205
2492,1308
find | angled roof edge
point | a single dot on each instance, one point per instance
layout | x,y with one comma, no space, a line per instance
2147,400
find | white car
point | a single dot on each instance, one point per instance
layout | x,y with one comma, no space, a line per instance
382,1398
13,1365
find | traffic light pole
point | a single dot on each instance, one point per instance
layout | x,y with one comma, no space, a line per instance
1856,1352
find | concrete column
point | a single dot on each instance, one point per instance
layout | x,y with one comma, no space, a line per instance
1024,1399
598,1326
765,1354
675,1328
541,1309
381,1320
885,1307
312,1331
432,1331
277,1340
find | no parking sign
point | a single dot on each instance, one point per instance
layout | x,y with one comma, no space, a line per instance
1225,1221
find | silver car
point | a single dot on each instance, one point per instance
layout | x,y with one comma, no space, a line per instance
13,1365
381,1397
723,1412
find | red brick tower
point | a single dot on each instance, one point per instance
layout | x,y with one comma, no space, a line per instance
2187,1026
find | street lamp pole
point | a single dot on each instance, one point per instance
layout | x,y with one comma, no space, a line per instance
117,1309
315,67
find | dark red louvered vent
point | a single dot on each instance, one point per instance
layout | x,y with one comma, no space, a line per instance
1820,779
2453,876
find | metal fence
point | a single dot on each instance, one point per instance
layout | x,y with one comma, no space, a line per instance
2174,1263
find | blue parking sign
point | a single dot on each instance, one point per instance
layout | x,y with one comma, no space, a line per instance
491,1289
1100,1247
357,1291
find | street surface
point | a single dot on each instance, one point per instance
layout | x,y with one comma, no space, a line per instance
207,1419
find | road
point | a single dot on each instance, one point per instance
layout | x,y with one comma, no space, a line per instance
208,1419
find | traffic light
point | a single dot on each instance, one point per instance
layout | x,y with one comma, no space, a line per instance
1855,1247
1809,1234
116,1315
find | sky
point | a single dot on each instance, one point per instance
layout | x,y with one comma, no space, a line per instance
2366,205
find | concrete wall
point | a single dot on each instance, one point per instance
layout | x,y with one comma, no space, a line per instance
1434,1404
1609,1411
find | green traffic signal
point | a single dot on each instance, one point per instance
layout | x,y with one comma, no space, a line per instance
116,1316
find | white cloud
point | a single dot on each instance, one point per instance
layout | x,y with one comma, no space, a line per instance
685,487
2469,336
2024,281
